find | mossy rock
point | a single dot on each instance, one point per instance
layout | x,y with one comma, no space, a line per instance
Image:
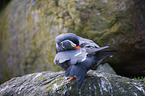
55,84
29,27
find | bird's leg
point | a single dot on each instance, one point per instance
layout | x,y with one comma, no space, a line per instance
71,78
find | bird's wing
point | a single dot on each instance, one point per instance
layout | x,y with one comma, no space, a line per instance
87,43
93,50
73,56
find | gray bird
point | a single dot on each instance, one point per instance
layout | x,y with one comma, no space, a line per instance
77,55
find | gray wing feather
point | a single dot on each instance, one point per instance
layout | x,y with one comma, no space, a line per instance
87,43
74,56
93,50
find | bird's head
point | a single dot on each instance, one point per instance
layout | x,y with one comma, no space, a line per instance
69,45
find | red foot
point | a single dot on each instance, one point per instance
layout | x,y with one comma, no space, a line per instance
71,78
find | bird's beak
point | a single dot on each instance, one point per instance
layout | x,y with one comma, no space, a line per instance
77,47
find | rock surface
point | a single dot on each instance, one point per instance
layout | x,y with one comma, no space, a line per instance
55,84
29,27
105,68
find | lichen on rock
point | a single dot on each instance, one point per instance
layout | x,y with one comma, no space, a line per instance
54,83
29,27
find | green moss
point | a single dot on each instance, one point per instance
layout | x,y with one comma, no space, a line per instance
29,28
139,78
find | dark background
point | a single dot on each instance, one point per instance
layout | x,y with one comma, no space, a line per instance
3,3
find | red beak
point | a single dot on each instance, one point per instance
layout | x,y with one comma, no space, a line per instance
77,47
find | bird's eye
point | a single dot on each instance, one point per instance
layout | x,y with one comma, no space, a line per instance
88,55
73,45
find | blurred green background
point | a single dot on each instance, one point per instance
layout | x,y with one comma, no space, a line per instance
28,29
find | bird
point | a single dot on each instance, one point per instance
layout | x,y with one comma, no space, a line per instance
77,55
74,39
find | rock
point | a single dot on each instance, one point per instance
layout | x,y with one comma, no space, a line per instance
29,27
105,68
54,83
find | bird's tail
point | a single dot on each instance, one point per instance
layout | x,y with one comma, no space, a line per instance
78,72
103,54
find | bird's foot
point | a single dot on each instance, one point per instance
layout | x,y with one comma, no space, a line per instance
71,78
